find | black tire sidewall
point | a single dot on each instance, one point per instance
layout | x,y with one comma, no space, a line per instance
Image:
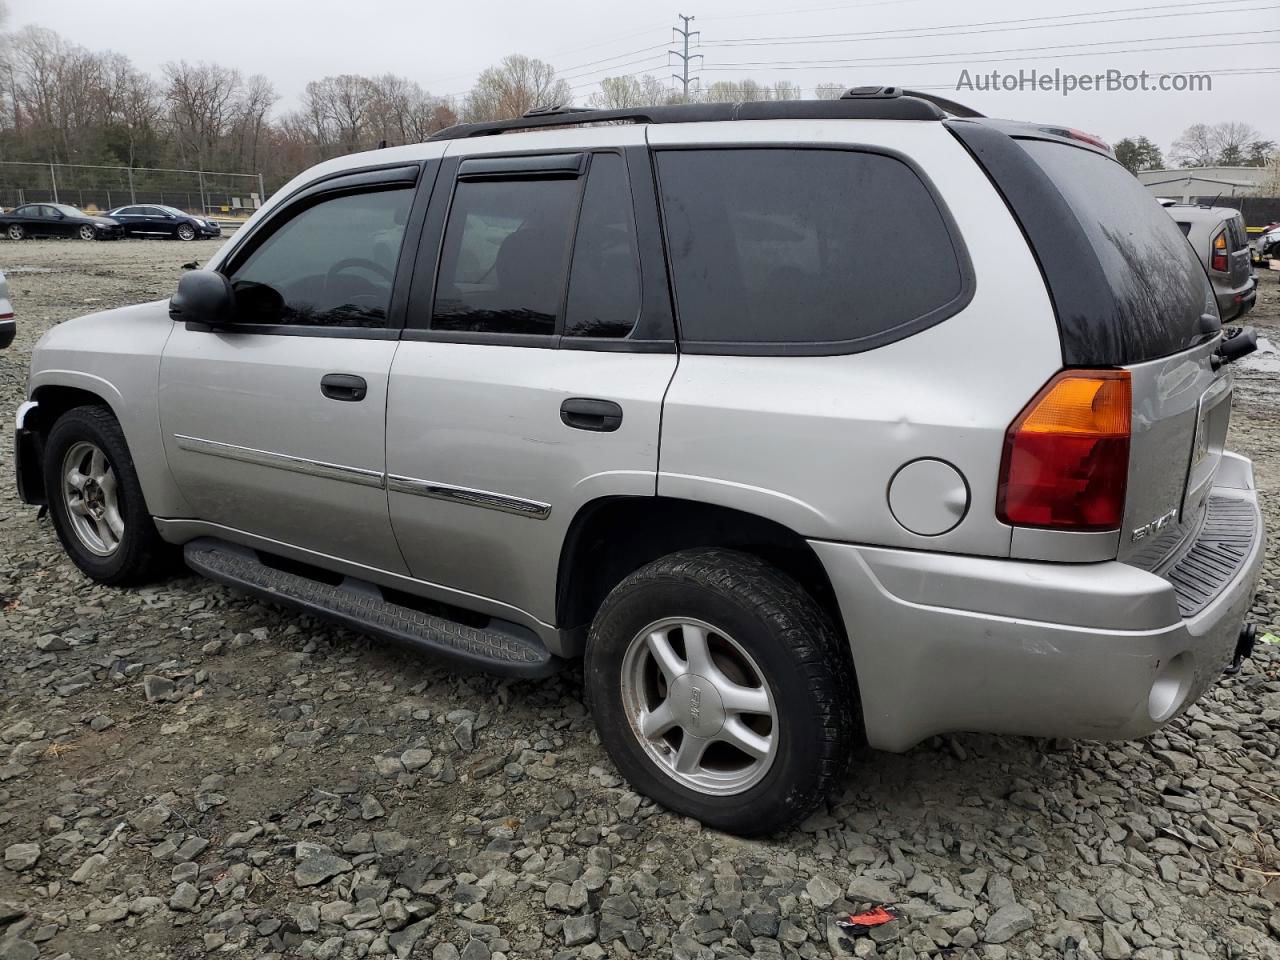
792,780
131,557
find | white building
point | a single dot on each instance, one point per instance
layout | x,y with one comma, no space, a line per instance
1186,183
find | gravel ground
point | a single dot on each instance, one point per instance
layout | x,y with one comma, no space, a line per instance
186,772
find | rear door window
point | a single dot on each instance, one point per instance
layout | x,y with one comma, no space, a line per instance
506,252
805,250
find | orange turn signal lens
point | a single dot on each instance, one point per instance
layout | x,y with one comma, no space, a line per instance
1066,456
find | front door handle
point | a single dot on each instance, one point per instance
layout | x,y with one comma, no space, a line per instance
583,413
343,386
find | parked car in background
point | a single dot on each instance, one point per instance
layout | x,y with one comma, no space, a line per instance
667,394
155,220
1266,246
57,220
8,326
1218,236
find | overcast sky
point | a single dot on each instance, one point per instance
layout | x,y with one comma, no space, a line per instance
444,45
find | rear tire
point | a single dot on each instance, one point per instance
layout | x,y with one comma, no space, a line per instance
770,747
101,518
16,232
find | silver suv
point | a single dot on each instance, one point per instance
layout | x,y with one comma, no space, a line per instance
666,392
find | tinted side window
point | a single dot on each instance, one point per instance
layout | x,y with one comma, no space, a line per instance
506,252
604,282
804,246
332,265
1152,275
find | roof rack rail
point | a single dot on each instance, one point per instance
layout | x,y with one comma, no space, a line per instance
859,103
555,111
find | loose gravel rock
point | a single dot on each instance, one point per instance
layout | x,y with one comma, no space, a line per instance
186,771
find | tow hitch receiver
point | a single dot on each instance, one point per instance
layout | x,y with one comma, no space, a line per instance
1244,648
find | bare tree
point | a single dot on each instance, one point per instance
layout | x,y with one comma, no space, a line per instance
202,103
1196,147
622,93
514,87
830,91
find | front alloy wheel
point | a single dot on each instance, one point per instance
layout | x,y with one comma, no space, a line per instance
90,495
186,232
87,232
96,502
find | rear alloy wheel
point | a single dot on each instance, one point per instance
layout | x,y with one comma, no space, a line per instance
721,690
703,710
16,232
87,233
186,232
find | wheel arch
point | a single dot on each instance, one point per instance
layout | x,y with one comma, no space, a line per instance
612,537
52,401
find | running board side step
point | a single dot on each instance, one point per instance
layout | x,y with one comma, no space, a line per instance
504,649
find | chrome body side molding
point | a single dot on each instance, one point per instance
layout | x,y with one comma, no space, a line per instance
534,509
519,506
281,461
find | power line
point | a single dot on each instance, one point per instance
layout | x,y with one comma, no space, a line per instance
853,64
686,56
788,13
1028,23
976,53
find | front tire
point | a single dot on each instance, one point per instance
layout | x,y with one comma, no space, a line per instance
186,232
16,232
96,501
721,690
87,232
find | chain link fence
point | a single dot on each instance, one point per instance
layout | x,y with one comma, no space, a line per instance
98,188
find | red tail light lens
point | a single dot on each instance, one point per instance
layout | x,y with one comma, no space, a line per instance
1066,456
1219,259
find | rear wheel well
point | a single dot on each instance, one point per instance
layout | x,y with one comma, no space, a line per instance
613,537
54,400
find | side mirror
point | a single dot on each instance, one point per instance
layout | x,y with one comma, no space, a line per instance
204,297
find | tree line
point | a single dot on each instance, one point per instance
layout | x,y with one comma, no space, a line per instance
1228,144
63,103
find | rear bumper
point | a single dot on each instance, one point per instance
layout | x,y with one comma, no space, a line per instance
1233,304
946,643
8,328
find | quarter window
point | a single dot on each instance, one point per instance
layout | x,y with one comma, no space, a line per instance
805,246
332,265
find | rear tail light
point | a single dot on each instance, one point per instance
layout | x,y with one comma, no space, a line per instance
1066,456
1219,260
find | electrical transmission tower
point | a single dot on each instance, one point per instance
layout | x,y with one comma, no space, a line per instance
685,56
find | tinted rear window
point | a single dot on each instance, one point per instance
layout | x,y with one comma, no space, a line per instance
809,249
1157,282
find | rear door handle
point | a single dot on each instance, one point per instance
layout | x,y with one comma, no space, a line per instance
583,413
343,386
